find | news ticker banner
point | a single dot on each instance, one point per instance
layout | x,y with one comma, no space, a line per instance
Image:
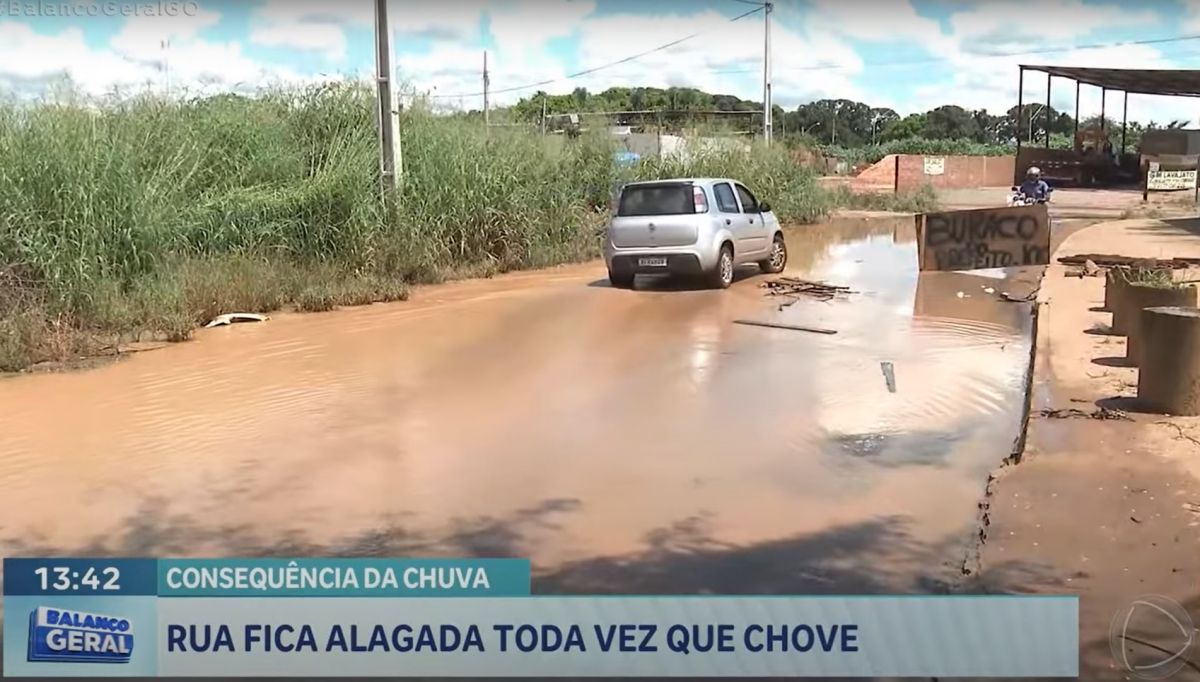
477,618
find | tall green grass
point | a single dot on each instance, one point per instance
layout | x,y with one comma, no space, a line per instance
136,215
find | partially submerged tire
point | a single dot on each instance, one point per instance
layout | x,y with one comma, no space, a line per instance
778,260
722,275
620,280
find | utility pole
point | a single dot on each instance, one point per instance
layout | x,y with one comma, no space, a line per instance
543,115
767,7
388,140
486,82
166,65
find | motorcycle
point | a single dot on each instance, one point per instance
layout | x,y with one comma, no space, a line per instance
1019,198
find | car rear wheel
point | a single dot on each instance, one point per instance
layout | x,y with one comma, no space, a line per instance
722,275
778,260
620,280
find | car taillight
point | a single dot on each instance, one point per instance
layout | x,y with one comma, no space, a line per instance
699,200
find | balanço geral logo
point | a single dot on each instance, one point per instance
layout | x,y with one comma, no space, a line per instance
66,636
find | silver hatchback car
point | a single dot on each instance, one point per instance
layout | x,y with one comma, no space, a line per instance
691,226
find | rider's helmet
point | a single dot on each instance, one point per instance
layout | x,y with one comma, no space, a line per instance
1034,172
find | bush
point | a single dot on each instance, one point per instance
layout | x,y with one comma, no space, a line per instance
790,188
916,145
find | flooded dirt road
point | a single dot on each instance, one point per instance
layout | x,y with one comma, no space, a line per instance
625,441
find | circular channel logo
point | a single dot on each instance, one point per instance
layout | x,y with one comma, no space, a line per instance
1152,637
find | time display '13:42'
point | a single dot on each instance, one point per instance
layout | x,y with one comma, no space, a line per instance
63,579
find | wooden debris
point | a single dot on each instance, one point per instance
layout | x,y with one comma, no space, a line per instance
792,327
1103,413
1112,260
889,375
794,286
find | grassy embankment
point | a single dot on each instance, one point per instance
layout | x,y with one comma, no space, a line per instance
151,216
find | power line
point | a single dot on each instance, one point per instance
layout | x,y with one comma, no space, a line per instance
985,55
594,69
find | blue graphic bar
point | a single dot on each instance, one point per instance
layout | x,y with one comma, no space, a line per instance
80,577
343,577
267,577
696,636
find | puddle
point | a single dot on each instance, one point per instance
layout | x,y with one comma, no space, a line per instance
625,441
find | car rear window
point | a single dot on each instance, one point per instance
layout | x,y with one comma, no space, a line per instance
656,200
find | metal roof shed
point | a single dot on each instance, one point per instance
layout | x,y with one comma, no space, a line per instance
1171,82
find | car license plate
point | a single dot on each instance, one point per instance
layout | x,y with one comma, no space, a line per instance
655,262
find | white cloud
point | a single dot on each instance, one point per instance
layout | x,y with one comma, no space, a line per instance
346,12
176,50
899,22
1056,20
306,35
63,53
321,24
454,20
149,51
726,58
520,31
972,79
523,28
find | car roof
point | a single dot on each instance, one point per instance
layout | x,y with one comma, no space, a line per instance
669,181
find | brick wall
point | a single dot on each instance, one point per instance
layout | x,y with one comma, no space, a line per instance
882,173
960,172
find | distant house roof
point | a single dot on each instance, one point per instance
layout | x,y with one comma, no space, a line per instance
1173,82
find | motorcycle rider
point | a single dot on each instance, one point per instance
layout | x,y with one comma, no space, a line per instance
1034,186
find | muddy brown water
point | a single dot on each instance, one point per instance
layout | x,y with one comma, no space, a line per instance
625,441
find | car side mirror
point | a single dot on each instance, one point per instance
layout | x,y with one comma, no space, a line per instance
1015,188
764,207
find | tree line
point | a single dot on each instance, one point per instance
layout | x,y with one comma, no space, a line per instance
827,122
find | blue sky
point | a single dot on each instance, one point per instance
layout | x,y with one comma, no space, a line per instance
907,54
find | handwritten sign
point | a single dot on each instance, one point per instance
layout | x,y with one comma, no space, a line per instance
984,238
1159,180
935,165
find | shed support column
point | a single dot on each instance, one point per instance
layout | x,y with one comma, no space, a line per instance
1124,123
1020,115
1075,132
1103,97
1049,78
